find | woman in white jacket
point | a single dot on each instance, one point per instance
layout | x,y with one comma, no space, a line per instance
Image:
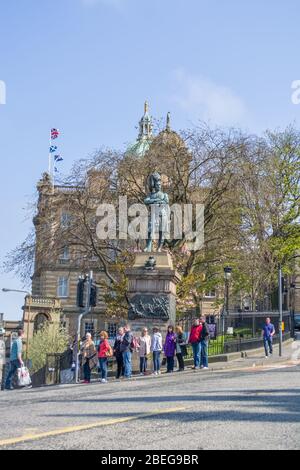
156,349
144,346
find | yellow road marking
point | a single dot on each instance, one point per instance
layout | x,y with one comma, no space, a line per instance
85,427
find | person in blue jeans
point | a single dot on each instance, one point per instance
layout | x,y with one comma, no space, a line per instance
204,343
126,349
156,349
268,333
16,360
195,341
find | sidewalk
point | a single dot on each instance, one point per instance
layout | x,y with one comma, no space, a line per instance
256,358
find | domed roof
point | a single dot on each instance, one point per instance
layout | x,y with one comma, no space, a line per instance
168,138
139,148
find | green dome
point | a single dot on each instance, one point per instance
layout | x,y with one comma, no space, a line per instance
139,148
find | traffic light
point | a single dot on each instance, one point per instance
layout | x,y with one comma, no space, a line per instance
93,295
80,292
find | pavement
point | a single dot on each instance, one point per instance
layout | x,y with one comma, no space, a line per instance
252,403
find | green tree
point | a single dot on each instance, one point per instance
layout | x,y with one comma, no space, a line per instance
49,339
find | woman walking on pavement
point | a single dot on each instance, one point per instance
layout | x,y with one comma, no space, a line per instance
117,353
89,357
144,346
181,350
169,348
104,352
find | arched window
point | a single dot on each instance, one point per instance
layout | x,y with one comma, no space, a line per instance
39,321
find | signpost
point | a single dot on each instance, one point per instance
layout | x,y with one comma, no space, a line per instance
2,359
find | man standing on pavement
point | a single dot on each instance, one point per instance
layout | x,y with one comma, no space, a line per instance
195,341
16,360
126,349
268,333
204,343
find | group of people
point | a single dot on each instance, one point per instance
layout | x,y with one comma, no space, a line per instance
175,344
146,345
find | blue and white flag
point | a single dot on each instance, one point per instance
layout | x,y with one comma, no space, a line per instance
58,158
53,148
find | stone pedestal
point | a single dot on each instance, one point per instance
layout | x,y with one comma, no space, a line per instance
152,292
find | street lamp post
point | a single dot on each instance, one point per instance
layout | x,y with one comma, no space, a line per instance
29,312
227,277
225,310
280,307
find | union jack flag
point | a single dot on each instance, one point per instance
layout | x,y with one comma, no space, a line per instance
54,133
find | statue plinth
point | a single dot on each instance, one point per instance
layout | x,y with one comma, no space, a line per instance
152,291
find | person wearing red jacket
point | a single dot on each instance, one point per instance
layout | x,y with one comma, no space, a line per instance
104,352
195,341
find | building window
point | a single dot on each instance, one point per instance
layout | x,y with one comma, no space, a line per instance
112,330
63,287
210,294
39,321
89,328
65,255
65,219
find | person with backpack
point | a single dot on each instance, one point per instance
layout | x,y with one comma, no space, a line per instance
181,350
195,341
104,352
117,353
169,348
156,349
204,344
127,347
144,345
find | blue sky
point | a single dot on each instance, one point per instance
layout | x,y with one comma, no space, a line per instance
86,67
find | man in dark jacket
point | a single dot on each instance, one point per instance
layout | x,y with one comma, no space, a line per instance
118,354
126,350
204,344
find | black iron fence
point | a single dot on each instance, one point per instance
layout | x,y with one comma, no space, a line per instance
239,332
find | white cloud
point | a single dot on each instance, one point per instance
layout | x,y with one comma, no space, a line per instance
204,99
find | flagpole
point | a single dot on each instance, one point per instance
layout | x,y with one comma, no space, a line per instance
49,156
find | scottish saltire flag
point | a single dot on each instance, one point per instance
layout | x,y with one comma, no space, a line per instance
54,133
53,148
58,158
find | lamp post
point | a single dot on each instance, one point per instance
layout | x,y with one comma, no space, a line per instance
29,312
225,309
280,307
227,277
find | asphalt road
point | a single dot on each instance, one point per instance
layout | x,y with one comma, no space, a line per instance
256,408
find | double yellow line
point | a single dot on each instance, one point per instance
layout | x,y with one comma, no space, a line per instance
84,427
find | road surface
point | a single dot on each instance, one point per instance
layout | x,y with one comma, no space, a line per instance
254,408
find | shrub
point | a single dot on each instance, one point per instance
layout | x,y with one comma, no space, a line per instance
49,339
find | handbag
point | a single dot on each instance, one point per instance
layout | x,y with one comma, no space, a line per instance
109,353
93,361
24,379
